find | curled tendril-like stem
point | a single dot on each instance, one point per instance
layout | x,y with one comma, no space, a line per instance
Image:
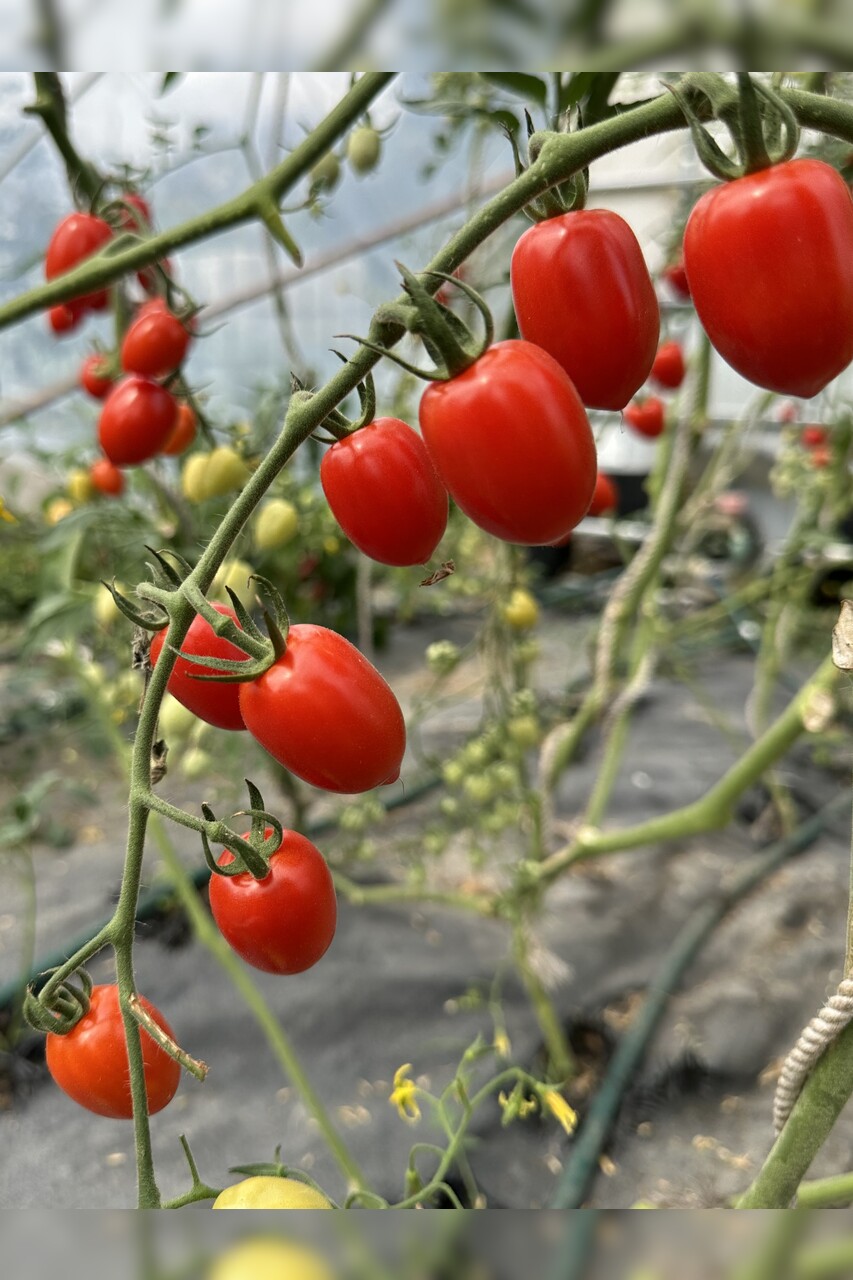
148,621
58,1011
252,854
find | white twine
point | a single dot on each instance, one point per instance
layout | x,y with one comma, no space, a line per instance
823,1029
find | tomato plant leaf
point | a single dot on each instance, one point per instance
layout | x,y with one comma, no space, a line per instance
524,86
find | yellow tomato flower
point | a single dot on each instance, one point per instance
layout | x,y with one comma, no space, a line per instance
404,1094
560,1109
6,514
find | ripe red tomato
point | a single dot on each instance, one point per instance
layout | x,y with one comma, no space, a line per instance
90,1062
74,239
284,923
814,435
140,218
668,366
210,700
676,278
92,379
512,443
583,293
183,432
605,496
65,317
385,493
106,478
136,420
770,261
326,714
647,417
155,343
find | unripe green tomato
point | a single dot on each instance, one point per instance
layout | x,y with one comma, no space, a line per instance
479,788
234,574
523,731
104,607
504,776
271,1193
453,773
175,720
363,148
195,763
326,172
442,656
476,754
79,486
194,477
226,471
275,524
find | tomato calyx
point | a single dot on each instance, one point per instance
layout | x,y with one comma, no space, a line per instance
448,340
57,1004
763,126
250,852
567,196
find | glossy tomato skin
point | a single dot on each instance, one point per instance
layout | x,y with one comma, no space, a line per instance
136,420
106,478
512,444
668,367
605,496
271,1259
647,418
92,380
385,493
212,701
74,239
583,293
64,318
325,713
284,923
183,432
769,258
90,1062
155,343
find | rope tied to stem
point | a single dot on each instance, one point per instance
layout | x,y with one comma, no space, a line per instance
823,1030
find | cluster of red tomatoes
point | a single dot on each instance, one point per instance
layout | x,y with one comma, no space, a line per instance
140,416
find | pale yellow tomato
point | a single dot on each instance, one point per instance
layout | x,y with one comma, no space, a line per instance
271,1193
269,1258
521,611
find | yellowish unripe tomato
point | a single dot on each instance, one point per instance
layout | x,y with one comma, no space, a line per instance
79,486
57,509
234,574
194,477
226,471
275,524
521,611
363,148
269,1258
524,731
271,1193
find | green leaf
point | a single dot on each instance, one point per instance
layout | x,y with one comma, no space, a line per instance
593,90
523,86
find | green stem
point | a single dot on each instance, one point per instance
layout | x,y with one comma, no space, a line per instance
826,1193
715,808
772,1260
561,1060
830,1260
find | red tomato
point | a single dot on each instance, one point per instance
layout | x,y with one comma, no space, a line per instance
136,420
138,217
583,293
284,923
676,278
812,436
770,261
326,714
183,433
647,418
107,478
605,496
511,441
668,367
76,238
97,384
65,317
155,343
90,1062
216,703
385,493
820,455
